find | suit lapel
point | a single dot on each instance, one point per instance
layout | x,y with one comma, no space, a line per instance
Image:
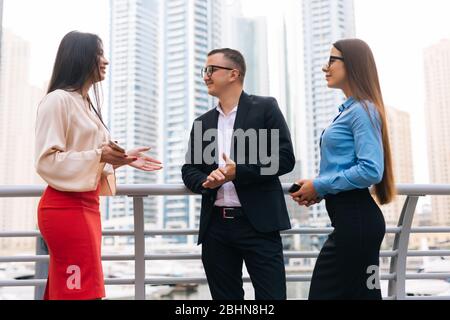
239,123
212,123
242,111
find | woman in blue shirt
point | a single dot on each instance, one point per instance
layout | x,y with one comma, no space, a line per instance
355,154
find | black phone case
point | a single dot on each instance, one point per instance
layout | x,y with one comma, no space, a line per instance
294,188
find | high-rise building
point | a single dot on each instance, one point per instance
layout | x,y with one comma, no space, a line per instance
18,105
1,13
399,125
191,28
1,28
1,18
250,38
292,72
437,110
134,97
270,46
324,22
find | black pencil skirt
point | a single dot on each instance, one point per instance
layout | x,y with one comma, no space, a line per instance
345,267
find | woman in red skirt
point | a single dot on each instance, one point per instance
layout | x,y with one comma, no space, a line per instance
75,156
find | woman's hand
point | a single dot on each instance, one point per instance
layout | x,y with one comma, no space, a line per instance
307,195
144,162
114,157
306,203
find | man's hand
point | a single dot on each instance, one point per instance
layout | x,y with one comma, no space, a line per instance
229,171
222,175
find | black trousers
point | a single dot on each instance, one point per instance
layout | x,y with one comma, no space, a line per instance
344,269
230,242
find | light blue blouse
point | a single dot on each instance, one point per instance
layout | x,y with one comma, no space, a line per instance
351,150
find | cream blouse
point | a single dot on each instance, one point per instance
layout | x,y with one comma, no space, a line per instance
69,137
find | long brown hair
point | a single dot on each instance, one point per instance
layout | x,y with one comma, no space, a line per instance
364,84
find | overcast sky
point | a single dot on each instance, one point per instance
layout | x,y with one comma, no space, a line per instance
397,30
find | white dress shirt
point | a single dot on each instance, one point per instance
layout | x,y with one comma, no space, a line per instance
226,195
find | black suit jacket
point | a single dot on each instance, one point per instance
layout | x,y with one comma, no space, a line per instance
261,196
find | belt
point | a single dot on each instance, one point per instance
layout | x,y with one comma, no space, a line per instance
229,212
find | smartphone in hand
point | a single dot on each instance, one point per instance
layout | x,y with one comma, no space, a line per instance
115,146
294,188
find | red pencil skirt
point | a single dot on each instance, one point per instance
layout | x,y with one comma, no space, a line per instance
71,227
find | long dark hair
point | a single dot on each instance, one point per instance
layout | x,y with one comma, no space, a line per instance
364,84
76,63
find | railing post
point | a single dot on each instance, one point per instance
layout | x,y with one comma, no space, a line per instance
41,268
139,248
401,242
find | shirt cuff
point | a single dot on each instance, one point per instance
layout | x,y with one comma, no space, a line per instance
99,152
319,186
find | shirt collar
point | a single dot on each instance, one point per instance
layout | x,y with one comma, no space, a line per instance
347,104
219,109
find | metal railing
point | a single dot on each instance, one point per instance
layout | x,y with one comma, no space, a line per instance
397,275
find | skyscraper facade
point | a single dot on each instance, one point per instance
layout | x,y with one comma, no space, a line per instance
437,111
324,22
134,97
191,28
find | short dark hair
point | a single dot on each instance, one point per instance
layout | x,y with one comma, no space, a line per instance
234,57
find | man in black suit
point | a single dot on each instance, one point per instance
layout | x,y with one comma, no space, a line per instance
236,153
